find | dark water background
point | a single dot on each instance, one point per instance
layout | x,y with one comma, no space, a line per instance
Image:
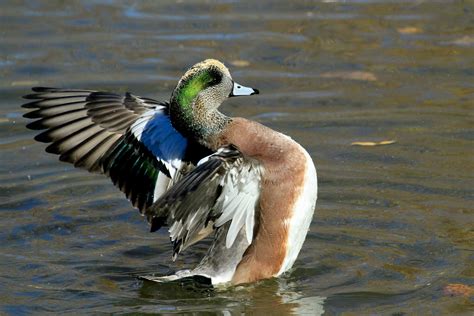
394,223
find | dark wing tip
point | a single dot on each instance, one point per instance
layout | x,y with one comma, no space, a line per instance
43,89
157,223
36,125
36,96
30,105
44,137
32,114
177,245
32,96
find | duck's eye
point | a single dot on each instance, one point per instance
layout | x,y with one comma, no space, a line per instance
214,81
215,78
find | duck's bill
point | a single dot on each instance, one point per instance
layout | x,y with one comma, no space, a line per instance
239,89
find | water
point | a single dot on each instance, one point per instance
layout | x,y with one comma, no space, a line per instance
393,225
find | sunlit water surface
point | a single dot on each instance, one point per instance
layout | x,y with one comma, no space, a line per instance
393,224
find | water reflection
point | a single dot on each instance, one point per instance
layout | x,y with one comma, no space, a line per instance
265,298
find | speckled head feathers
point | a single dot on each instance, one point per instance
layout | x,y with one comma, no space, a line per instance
209,79
195,100
207,64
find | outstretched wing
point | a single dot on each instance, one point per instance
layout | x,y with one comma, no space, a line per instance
223,187
128,138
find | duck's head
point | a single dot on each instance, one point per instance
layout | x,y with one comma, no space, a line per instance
201,91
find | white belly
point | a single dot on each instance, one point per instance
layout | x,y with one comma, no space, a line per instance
302,215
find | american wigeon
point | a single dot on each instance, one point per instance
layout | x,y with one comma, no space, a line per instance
186,165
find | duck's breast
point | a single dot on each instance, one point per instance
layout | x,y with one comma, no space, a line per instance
301,213
287,199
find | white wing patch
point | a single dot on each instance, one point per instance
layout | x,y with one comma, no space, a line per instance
238,200
223,188
155,131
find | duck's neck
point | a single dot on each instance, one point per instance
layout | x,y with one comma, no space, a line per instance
199,121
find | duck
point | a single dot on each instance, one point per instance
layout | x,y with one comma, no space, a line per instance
187,166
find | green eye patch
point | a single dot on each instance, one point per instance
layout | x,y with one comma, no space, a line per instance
196,84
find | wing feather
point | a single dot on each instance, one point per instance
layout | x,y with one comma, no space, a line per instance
102,132
58,119
54,110
223,187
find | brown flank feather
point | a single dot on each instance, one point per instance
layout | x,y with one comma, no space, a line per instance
280,190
